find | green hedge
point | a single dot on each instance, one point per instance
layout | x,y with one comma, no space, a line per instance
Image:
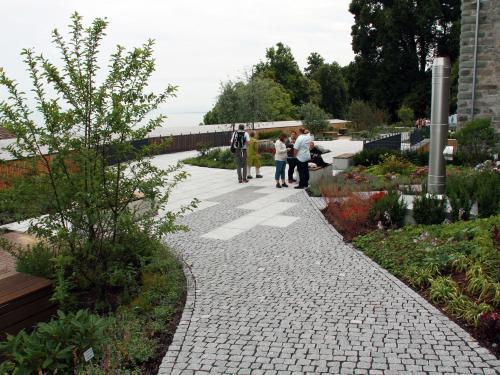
274,134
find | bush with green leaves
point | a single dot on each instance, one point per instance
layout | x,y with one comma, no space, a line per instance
86,119
273,135
390,210
33,191
477,141
365,116
56,346
487,185
406,116
314,118
37,260
371,157
416,157
460,193
429,209
126,341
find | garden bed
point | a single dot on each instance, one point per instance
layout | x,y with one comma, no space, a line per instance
135,334
455,266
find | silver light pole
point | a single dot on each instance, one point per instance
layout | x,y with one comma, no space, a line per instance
439,124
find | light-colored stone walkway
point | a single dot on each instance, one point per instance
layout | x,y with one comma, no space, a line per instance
274,290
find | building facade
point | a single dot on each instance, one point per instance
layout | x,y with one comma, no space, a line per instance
479,88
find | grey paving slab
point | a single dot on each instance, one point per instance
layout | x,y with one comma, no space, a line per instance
295,299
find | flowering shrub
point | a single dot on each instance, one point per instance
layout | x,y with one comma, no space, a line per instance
348,211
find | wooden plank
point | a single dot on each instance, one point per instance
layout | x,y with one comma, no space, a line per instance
18,285
30,323
25,311
11,305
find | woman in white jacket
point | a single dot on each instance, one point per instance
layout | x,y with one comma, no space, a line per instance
280,160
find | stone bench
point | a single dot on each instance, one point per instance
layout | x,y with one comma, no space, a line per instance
343,161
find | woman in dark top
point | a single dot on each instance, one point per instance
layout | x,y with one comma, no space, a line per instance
292,161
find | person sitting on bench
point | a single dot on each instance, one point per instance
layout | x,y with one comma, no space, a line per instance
316,157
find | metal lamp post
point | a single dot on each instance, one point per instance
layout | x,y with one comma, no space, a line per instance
439,125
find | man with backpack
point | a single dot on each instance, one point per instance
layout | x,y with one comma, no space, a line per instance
239,142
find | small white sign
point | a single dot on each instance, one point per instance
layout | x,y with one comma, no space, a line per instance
88,354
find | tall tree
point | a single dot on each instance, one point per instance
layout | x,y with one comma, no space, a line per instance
228,103
258,99
334,91
394,42
314,118
280,66
87,122
314,62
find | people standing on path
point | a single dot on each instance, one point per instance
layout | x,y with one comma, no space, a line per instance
253,157
280,160
301,152
291,159
239,143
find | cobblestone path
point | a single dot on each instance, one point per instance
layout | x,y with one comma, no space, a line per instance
274,290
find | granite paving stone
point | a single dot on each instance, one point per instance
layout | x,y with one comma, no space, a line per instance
286,295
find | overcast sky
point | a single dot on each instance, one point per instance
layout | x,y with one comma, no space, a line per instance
198,42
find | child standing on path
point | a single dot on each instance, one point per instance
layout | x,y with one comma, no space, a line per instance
253,156
280,160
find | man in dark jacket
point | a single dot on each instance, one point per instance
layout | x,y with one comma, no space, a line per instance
316,157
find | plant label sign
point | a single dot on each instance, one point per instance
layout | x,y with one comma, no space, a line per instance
88,354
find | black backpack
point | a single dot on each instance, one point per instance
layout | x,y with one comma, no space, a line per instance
238,141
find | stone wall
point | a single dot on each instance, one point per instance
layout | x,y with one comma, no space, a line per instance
487,98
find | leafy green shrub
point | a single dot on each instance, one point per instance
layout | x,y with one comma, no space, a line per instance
459,189
37,260
28,196
274,134
416,157
369,157
476,140
56,346
465,308
443,289
419,277
487,186
100,238
395,164
390,210
314,118
365,116
429,209
406,116
374,156
267,159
